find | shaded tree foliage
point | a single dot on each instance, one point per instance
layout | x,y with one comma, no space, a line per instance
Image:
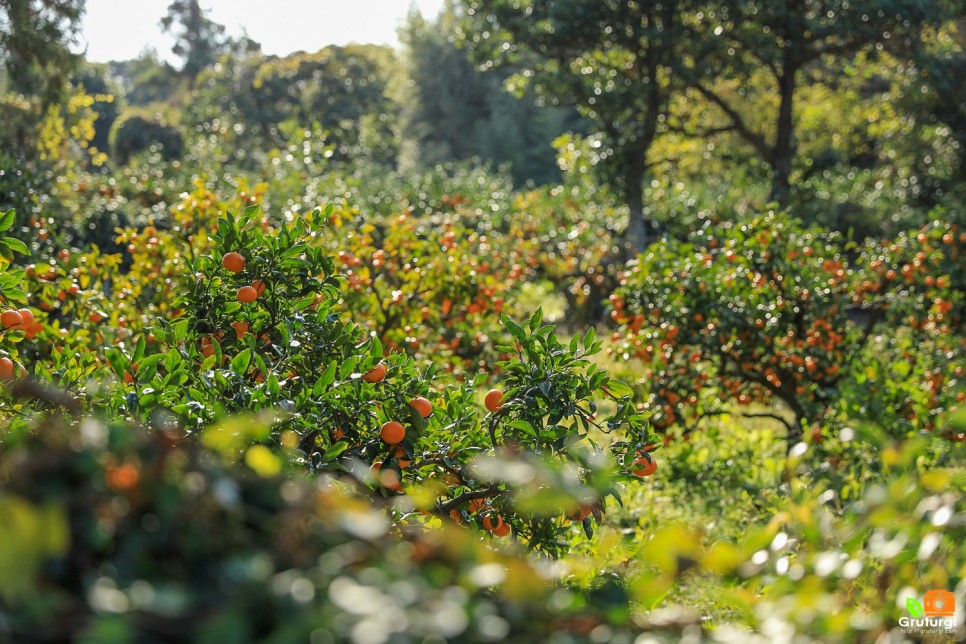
343,90
198,39
455,111
742,38
36,37
95,80
616,61
146,79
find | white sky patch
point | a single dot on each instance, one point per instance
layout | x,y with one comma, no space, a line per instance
122,29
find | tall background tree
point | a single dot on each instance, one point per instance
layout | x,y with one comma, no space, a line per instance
38,44
453,110
616,61
785,40
199,41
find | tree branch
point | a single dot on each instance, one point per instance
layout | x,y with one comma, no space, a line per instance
756,140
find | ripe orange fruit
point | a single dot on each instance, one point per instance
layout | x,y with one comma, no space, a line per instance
502,531
493,400
207,347
10,319
259,287
388,479
246,295
492,522
422,406
6,368
96,316
233,262
393,432
28,317
376,374
580,513
241,329
647,466
401,458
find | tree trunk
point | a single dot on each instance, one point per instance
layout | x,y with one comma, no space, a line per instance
637,237
784,151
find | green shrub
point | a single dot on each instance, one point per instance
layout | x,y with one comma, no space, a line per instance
139,129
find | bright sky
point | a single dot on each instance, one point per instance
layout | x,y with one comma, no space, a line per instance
121,29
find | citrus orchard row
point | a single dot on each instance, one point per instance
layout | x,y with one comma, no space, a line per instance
249,318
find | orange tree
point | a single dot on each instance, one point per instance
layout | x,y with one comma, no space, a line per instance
114,532
577,250
258,326
764,310
428,285
916,284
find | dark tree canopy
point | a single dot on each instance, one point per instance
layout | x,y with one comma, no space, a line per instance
740,38
616,60
37,44
455,111
199,41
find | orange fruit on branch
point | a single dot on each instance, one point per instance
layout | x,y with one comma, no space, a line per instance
11,319
28,317
493,522
234,262
259,287
6,368
493,400
246,295
241,329
392,432
376,374
422,406
647,466
402,459
388,479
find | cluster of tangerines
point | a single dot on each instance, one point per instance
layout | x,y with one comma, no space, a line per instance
926,263
15,320
768,333
428,288
393,433
235,263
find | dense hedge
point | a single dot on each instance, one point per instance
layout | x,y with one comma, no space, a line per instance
139,129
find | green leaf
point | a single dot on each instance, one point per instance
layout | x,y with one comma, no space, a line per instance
957,420
536,318
118,361
515,329
334,451
15,245
240,363
348,367
524,427
139,349
326,379
616,387
375,349
7,218
149,366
